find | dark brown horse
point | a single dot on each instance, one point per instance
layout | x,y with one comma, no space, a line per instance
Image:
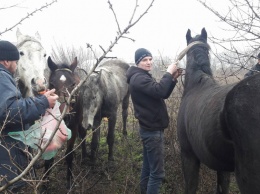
64,78
218,125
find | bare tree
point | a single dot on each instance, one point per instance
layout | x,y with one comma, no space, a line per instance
120,33
25,17
242,37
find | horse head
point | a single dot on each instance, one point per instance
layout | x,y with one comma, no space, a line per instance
202,37
198,59
63,78
32,66
198,52
92,95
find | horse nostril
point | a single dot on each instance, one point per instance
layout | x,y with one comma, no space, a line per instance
33,81
44,81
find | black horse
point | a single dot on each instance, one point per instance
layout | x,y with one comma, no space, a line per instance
218,125
64,78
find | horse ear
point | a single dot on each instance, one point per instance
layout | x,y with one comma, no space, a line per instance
18,33
37,35
188,36
99,74
74,64
51,64
204,34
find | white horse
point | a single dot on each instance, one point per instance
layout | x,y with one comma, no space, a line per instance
32,67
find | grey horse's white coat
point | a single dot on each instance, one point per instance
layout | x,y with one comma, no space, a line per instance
103,93
32,65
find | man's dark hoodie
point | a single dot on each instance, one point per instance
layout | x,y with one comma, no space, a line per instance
148,97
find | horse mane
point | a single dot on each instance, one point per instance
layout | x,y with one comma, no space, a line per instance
65,55
27,39
108,70
63,66
198,66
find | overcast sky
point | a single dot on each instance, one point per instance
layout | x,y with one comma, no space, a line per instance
162,30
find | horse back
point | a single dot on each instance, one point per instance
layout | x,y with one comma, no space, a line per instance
242,109
203,135
242,115
114,81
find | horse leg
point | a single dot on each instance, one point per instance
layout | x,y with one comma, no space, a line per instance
111,136
95,140
190,167
94,145
223,180
125,105
82,134
47,170
69,157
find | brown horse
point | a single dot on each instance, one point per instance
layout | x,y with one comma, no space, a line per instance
218,125
64,78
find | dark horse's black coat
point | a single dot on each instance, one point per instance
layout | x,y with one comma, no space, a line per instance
64,78
218,125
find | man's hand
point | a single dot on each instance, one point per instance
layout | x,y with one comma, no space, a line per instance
51,97
174,70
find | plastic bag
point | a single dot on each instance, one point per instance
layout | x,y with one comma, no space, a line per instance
39,133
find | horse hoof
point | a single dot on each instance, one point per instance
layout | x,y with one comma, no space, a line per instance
125,133
69,185
39,165
43,189
84,161
111,159
91,163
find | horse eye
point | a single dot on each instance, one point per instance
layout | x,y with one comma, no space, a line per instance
21,53
44,55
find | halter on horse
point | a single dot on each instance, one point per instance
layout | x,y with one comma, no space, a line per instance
64,78
32,66
218,125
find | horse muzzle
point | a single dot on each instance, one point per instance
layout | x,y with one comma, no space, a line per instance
39,84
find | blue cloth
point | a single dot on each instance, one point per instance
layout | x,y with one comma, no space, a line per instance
153,161
16,113
15,109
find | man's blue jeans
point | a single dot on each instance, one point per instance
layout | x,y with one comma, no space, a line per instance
153,161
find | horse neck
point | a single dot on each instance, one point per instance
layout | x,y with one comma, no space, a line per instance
198,73
100,84
23,89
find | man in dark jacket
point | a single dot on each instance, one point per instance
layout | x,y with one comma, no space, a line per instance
255,69
15,115
151,111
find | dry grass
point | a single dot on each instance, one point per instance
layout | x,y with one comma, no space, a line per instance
122,177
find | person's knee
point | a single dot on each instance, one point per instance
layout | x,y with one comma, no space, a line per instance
158,175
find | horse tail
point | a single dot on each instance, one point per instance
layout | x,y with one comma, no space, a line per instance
125,105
